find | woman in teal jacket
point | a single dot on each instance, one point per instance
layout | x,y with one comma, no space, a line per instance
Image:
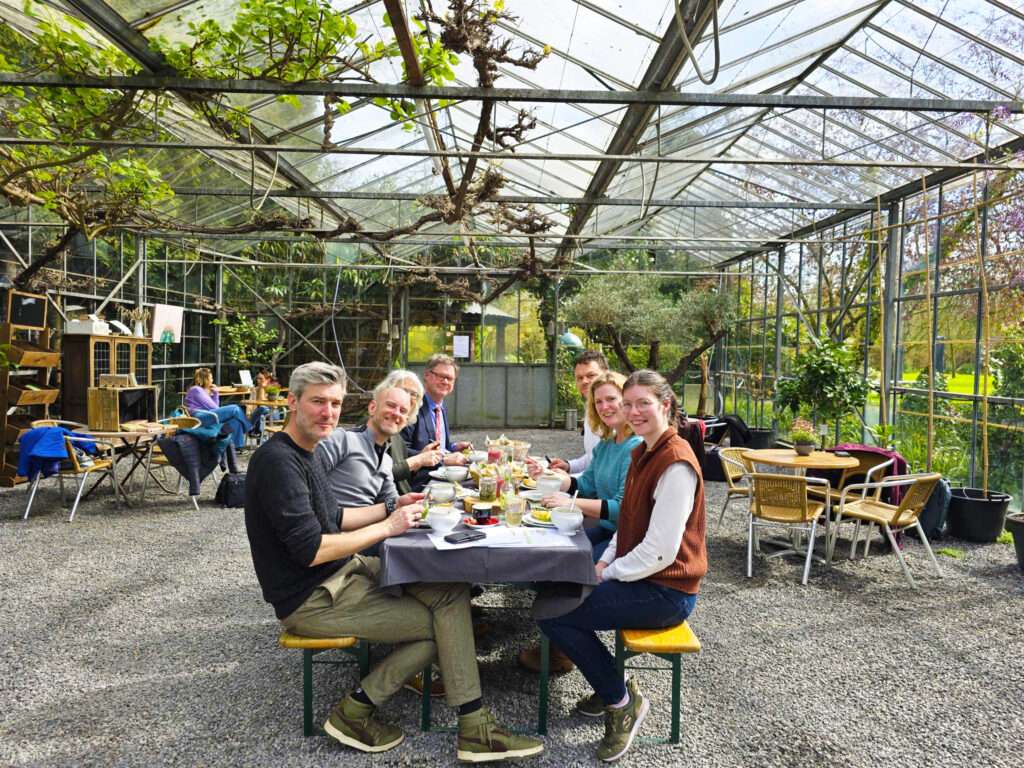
601,486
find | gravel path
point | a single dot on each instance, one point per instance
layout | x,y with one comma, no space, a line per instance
139,637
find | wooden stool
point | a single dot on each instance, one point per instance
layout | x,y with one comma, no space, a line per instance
311,646
669,644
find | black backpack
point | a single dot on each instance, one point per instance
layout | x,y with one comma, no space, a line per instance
231,491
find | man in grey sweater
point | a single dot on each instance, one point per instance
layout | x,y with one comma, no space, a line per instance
358,465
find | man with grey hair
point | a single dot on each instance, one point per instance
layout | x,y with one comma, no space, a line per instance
306,559
432,420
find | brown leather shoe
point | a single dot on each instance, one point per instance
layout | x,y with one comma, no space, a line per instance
558,662
436,685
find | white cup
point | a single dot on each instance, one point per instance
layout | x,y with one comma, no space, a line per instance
548,484
442,518
567,519
456,474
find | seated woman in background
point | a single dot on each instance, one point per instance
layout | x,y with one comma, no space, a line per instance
601,485
651,571
202,396
405,466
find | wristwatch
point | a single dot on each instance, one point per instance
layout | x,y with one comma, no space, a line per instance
389,505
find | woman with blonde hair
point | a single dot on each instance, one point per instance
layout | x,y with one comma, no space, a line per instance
601,485
405,466
599,488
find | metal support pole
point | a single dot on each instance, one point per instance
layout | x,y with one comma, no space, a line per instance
889,317
554,356
218,331
780,297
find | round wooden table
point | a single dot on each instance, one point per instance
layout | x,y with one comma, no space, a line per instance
787,457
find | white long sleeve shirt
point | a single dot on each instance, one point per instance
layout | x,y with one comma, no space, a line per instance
590,438
673,502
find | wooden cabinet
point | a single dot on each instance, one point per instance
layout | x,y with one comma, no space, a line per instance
24,390
86,358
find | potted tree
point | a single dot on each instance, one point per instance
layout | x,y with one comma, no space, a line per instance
825,385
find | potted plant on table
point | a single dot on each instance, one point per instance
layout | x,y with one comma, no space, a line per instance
802,435
273,391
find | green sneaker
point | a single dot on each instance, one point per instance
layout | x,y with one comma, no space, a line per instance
481,740
621,725
352,723
591,706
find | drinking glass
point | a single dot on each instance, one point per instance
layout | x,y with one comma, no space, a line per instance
514,507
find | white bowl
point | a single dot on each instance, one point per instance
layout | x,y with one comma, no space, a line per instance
456,474
477,457
442,492
547,485
443,519
566,519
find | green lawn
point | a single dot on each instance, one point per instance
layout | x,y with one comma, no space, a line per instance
961,383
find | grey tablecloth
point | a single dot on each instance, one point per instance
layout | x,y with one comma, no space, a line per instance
563,576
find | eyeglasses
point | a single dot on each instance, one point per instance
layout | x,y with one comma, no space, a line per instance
448,379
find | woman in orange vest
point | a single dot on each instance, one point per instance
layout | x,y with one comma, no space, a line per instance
651,571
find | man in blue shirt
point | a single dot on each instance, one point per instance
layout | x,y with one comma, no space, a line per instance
431,427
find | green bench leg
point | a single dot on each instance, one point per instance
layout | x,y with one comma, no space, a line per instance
677,679
542,703
363,656
425,703
307,693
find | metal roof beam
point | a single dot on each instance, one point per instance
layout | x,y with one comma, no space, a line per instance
644,99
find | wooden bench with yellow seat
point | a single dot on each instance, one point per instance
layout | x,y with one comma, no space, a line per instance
360,649
310,646
669,644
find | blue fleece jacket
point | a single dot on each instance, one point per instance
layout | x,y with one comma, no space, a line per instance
605,478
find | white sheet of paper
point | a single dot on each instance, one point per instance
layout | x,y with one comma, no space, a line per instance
245,377
460,346
503,536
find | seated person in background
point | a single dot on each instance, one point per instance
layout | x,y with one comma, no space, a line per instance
589,365
202,396
431,424
404,466
305,557
263,379
651,571
600,486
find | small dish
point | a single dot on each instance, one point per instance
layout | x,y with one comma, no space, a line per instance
529,519
474,524
531,495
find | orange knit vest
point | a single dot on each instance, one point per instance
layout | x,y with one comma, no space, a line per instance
645,469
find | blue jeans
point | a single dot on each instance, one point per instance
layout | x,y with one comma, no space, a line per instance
599,537
614,605
233,422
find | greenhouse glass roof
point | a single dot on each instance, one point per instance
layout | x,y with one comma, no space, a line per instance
703,186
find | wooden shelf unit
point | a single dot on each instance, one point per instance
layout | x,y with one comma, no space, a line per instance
25,385
87,357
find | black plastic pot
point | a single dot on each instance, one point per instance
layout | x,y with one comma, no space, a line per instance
761,438
977,516
1015,525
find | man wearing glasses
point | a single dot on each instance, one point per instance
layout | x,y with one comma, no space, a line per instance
431,425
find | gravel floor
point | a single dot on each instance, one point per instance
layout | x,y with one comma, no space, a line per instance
139,637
